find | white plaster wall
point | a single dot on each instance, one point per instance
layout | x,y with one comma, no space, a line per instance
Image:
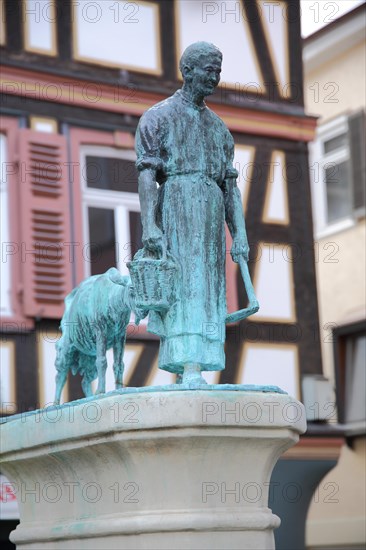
337,515
339,521
348,72
341,285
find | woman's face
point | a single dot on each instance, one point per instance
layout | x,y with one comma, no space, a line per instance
205,75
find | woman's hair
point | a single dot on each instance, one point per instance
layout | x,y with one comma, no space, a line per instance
195,51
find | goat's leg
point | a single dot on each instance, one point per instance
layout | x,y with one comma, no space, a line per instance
87,368
61,378
101,360
62,369
118,365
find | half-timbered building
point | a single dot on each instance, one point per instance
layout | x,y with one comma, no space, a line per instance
75,78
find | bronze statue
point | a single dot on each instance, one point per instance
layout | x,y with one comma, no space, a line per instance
187,188
96,316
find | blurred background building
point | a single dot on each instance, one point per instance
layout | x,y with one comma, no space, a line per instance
75,78
334,84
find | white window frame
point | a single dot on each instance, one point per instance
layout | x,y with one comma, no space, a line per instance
5,272
354,395
318,162
120,202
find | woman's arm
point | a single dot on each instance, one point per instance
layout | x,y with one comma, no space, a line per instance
152,236
234,216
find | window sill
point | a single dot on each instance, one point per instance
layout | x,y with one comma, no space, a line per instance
354,428
334,228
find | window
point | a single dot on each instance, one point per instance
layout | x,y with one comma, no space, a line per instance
5,287
112,226
350,361
339,205
337,161
329,167
36,273
355,378
7,378
2,24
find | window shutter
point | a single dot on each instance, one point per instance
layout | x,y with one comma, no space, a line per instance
357,144
45,223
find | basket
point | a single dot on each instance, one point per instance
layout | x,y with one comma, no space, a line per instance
154,281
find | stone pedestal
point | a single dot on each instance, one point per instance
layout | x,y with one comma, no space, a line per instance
156,470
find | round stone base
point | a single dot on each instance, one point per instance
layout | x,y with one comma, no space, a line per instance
150,470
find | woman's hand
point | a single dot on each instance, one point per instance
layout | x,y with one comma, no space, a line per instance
153,241
240,248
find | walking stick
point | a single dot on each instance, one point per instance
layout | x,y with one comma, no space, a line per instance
253,306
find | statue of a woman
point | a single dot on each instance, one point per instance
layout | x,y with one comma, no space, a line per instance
187,150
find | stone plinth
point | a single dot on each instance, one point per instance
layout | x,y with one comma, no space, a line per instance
159,470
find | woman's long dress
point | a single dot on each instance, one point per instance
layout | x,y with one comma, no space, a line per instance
192,152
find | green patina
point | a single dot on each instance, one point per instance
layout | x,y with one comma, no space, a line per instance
187,189
187,150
